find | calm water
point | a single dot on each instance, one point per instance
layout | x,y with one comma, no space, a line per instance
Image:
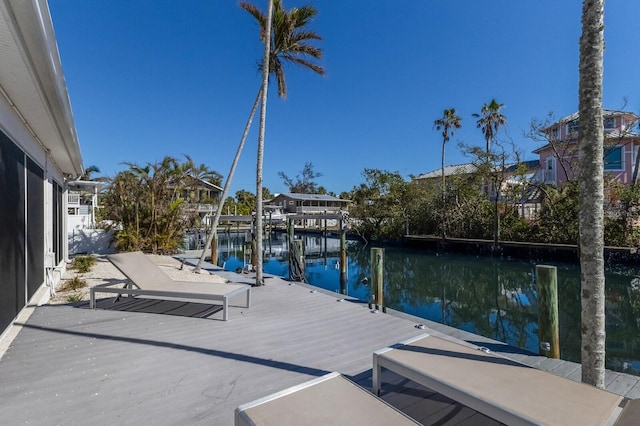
495,298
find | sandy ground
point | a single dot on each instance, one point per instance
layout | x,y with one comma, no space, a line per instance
103,269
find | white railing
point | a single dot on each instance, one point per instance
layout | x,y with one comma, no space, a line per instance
73,198
317,209
201,208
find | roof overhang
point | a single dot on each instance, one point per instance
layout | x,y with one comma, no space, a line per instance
32,81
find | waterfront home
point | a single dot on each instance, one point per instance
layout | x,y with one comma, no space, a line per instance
38,149
309,203
202,196
82,203
517,187
559,156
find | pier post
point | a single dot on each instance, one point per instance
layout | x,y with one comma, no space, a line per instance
214,250
377,277
548,331
296,261
343,253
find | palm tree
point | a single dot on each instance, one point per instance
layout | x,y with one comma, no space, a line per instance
89,171
288,42
448,123
591,198
489,121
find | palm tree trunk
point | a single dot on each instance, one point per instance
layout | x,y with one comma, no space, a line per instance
591,184
227,184
263,119
443,230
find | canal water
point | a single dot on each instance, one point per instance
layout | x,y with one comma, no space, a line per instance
489,296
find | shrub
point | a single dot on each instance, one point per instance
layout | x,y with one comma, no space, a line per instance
73,284
83,264
75,297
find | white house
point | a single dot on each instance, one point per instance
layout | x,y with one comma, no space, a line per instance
38,149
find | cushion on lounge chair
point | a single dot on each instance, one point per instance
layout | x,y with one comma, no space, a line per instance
151,282
503,389
328,400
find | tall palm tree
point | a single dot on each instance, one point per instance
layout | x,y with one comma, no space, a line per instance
489,121
591,199
448,123
288,42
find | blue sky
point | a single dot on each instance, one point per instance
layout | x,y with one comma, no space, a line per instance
150,78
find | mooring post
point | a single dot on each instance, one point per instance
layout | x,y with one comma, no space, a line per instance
296,261
214,250
548,331
377,277
343,253
290,232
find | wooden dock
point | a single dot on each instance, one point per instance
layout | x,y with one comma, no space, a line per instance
72,365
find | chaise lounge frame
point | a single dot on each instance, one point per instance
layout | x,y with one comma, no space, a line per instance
146,279
331,399
503,389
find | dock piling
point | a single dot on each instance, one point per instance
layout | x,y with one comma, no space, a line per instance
377,277
548,331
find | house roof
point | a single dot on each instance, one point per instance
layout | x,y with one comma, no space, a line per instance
32,82
456,169
530,165
469,168
605,113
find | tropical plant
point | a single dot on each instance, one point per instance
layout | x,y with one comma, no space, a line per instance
591,183
448,123
74,284
489,121
89,171
83,264
286,40
147,205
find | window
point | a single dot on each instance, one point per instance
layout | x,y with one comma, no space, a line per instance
573,126
555,132
613,158
609,123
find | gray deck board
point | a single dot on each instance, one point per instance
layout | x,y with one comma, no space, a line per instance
72,365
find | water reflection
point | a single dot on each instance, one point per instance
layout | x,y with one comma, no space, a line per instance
492,297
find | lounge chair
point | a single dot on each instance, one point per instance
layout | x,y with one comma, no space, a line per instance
328,400
151,283
508,391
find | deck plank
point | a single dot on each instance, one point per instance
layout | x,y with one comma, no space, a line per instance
69,363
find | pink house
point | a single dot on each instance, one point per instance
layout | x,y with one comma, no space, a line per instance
559,157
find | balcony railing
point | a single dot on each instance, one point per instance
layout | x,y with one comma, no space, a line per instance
317,209
73,198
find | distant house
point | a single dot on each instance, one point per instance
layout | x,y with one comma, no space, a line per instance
308,203
559,157
518,183
39,150
201,196
82,202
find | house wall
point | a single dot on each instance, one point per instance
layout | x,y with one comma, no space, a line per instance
32,216
570,159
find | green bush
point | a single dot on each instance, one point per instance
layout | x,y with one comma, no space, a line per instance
76,297
83,264
73,284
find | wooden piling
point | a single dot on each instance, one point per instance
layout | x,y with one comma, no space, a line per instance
214,250
548,330
296,261
377,277
343,253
